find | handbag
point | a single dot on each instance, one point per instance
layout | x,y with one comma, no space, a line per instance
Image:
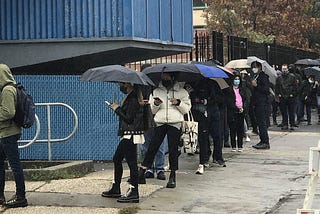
189,135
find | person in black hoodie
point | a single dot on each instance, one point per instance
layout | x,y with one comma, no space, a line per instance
130,124
237,101
260,102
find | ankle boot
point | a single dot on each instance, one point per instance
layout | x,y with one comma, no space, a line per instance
114,192
142,178
172,180
132,196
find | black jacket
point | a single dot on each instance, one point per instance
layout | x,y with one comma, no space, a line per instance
130,116
231,102
286,86
260,94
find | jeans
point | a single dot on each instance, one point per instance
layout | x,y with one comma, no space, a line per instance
261,113
9,149
160,132
159,160
128,150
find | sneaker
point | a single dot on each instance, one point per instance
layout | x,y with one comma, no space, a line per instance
161,175
240,150
149,174
16,201
233,150
200,170
206,165
247,139
284,127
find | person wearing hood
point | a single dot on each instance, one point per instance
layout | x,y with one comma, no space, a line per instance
237,103
260,102
10,133
286,90
169,103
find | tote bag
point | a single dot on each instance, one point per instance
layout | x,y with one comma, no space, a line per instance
189,135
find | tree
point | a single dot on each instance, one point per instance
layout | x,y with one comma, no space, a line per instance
293,23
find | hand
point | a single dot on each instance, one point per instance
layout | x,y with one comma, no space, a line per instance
240,110
173,101
114,105
254,83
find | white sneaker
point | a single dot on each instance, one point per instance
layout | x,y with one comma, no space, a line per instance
233,150
247,139
240,150
200,170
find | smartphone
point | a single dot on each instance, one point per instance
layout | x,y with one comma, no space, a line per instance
157,98
107,102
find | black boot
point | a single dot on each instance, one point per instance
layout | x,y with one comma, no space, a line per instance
142,178
172,180
16,201
132,196
114,192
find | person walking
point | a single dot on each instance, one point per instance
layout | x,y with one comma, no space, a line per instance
130,124
10,133
169,103
259,99
286,90
237,102
310,98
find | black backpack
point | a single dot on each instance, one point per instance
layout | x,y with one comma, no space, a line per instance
25,108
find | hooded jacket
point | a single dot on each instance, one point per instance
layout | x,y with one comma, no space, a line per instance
8,100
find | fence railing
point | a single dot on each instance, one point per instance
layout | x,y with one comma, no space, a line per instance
49,140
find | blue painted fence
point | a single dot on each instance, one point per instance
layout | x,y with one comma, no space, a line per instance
96,138
166,20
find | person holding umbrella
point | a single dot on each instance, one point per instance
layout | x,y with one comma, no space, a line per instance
169,102
260,93
129,125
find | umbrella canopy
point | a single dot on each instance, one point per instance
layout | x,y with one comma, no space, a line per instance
211,71
270,71
312,71
238,63
221,82
183,72
309,62
115,73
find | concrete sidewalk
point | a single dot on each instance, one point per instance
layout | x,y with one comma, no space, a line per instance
270,181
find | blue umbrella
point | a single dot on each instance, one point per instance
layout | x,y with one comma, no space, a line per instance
211,72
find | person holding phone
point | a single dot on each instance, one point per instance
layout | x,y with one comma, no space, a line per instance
130,124
169,102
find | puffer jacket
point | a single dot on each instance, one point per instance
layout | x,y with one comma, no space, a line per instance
8,100
286,86
166,113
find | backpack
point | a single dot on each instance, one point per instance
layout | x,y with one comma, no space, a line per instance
25,108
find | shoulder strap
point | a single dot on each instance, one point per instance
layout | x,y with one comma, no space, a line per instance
9,83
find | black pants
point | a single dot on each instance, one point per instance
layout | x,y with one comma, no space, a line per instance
253,118
261,112
160,132
128,150
236,130
216,132
203,135
287,108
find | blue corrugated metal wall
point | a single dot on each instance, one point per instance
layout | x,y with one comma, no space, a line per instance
166,20
96,138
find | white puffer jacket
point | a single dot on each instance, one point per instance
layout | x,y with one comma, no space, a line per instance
166,112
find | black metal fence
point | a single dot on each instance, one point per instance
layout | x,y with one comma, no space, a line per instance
214,46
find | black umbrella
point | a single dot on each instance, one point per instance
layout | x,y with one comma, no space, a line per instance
308,62
115,73
312,71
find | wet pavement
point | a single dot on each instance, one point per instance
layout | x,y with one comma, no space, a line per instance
268,181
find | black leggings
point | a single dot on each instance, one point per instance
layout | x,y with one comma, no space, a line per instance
128,150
